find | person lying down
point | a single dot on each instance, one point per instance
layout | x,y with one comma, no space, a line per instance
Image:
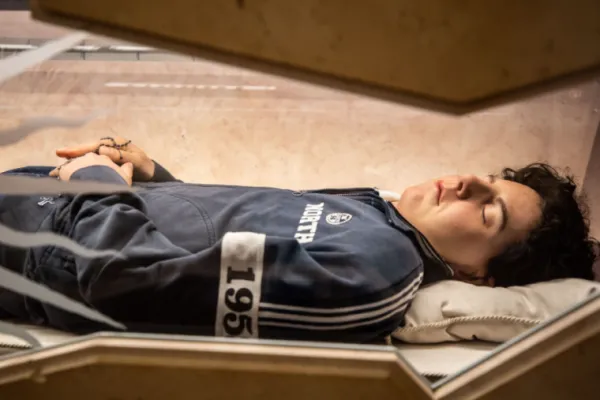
256,262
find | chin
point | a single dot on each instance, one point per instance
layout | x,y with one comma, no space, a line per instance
407,202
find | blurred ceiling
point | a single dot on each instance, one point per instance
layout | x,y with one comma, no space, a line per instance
451,55
19,32
14,5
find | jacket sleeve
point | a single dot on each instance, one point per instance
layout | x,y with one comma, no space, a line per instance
99,173
162,175
246,284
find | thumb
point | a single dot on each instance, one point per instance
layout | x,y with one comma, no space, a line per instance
127,169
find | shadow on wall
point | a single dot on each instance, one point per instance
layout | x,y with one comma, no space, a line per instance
591,186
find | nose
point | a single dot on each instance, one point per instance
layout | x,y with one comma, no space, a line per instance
471,186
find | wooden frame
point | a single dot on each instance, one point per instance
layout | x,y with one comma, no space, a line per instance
107,366
450,56
558,359
536,364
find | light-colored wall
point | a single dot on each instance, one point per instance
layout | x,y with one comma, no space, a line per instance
248,128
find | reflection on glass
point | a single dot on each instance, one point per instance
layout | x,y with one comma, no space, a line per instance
218,230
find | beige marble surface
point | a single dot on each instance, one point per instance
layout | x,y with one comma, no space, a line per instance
216,124
18,24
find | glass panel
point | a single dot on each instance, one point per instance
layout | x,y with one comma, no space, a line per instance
546,325
223,232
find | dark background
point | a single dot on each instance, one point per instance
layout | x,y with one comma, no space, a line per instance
14,5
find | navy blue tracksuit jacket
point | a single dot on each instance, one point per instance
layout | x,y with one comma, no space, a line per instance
247,262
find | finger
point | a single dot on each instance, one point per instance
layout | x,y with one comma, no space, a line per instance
78,151
54,173
117,156
127,170
92,147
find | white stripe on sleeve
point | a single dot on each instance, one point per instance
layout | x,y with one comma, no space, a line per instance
319,310
301,318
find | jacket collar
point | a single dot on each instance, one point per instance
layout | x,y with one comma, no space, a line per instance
434,266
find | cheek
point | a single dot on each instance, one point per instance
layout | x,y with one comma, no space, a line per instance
413,195
461,218
411,203
466,235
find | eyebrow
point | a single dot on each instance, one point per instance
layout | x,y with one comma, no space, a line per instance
504,214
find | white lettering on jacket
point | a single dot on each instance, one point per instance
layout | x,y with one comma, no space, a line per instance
308,223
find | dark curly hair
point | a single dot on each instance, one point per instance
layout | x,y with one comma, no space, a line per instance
560,245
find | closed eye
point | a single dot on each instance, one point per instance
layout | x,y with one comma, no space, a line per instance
484,208
503,208
490,200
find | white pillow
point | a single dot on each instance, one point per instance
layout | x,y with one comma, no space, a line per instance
453,311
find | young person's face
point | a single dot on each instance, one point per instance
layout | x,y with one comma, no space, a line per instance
469,220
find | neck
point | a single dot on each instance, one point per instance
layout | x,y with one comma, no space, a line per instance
435,268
